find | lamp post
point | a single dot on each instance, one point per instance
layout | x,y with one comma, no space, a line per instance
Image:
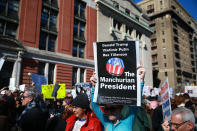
29,74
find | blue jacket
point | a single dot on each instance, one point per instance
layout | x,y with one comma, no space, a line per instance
124,124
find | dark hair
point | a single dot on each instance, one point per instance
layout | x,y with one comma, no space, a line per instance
186,96
66,114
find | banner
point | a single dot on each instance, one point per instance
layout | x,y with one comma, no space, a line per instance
165,99
47,91
117,79
1,63
39,80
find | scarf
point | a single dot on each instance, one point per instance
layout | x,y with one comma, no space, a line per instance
28,107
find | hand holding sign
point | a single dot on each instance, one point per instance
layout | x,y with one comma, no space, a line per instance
141,72
93,79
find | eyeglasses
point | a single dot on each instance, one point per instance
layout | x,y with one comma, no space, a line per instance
177,125
23,97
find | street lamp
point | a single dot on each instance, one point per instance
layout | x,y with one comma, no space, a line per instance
29,74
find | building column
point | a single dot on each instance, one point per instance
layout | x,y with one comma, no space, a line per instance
18,74
15,79
46,70
133,34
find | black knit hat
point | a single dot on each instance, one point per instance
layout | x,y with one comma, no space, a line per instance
81,101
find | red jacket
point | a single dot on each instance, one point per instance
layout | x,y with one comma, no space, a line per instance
91,124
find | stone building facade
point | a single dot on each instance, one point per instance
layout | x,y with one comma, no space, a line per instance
173,52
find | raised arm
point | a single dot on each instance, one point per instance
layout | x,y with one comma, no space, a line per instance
95,107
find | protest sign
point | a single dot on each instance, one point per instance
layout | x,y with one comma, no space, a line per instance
117,79
47,91
22,87
191,90
12,85
56,88
39,80
2,60
83,87
146,90
165,98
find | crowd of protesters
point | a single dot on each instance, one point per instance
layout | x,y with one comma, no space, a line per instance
29,111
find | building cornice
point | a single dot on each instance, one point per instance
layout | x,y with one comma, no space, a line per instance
54,57
110,6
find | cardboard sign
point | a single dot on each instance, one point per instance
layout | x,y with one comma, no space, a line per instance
117,79
165,98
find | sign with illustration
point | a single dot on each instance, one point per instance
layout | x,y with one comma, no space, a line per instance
117,79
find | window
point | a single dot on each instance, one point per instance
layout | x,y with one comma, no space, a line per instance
51,73
162,24
78,49
163,40
138,35
161,2
79,9
137,18
165,64
9,20
129,30
48,33
79,29
166,73
150,9
115,4
127,11
78,75
164,56
116,25
163,33
43,70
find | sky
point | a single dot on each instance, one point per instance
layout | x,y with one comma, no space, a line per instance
189,5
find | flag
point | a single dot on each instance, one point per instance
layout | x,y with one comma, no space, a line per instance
56,88
39,80
115,66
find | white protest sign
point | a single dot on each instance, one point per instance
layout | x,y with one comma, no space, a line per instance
22,87
146,90
165,98
12,86
1,62
191,90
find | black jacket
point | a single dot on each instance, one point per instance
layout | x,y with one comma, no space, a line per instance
33,120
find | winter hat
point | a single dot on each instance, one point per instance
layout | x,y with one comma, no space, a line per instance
81,100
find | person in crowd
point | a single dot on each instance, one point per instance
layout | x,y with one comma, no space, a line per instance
142,121
180,100
157,116
35,114
81,120
58,123
182,119
114,118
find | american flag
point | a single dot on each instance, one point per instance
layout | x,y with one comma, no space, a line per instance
115,66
